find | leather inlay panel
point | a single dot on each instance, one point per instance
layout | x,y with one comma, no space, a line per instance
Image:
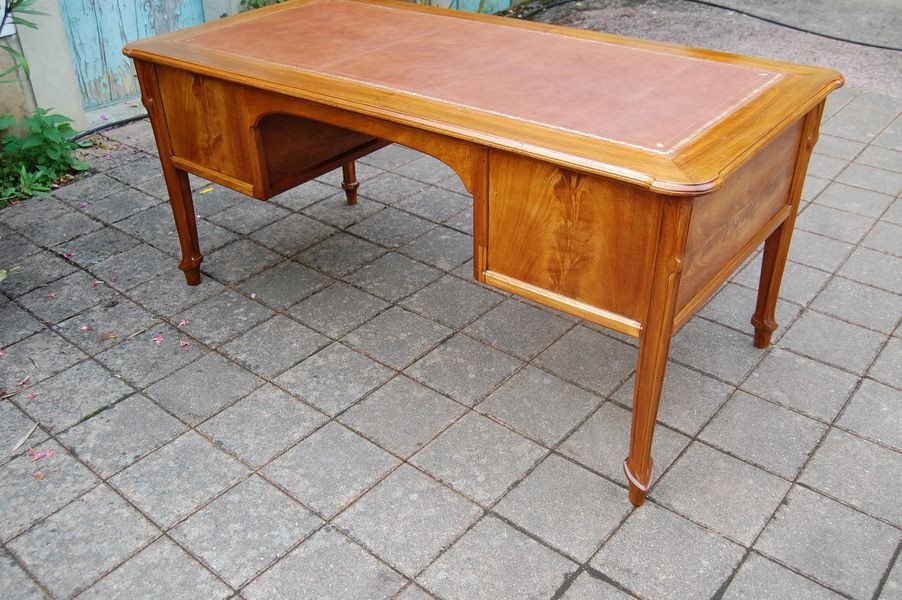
631,96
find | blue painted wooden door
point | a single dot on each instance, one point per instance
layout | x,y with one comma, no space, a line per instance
97,31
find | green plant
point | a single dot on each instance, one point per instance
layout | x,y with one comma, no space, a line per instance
31,163
12,12
252,4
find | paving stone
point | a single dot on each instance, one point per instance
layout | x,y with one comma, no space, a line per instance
73,547
469,570
285,284
162,570
412,592
833,341
175,480
203,388
14,424
328,565
860,304
26,498
462,222
812,187
142,168
805,385
390,156
262,424
35,269
715,349
826,167
291,234
334,378
891,137
391,228
248,216
689,399
764,434
884,237
97,246
120,205
761,578
167,294
402,415
16,324
831,543
836,224
888,366
393,276
151,225
330,469
302,196
566,505
132,267
52,232
33,211
854,199
65,297
441,247
391,188
273,346
239,260
540,405
426,169
364,173
14,583
452,302
336,211
586,587
245,530
223,317
734,305
893,584
338,309
590,359
408,519
213,199
36,358
106,324
535,328
115,438
463,369
859,473
340,255
838,147
746,496
861,120
150,355
397,337
479,458
602,443
880,270
435,204
74,395
871,178
818,251
658,554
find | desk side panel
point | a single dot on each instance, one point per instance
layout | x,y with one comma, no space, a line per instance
728,225
578,242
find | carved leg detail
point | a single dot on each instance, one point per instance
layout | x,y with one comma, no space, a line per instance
654,348
349,182
776,249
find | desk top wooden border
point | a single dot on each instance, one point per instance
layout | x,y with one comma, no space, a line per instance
696,168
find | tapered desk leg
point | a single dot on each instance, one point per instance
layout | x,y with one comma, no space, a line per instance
349,181
654,349
185,224
776,247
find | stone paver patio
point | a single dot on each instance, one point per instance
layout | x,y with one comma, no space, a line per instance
339,411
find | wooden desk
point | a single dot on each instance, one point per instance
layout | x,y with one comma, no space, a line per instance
619,180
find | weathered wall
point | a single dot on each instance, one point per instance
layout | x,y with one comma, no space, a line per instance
16,98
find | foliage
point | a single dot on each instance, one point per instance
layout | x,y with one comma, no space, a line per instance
252,4
30,164
12,12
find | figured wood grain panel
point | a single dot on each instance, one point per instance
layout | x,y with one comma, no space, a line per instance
726,225
578,236
207,124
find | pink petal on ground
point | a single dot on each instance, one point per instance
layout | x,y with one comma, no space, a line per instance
52,295
83,205
67,254
85,328
35,455
24,380
38,475
184,343
32,395
157,339
96,282
184,323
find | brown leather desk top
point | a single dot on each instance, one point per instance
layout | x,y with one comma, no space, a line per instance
628,108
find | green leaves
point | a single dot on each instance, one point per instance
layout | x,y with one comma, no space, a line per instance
32,162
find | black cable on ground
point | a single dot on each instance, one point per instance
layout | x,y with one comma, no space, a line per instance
106,126
542,9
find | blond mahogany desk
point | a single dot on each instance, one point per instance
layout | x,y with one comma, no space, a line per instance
618,180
